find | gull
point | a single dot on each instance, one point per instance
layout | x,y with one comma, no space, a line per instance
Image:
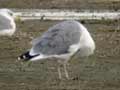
7,22
61,42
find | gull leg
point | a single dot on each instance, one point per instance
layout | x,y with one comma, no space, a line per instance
59,73
66,72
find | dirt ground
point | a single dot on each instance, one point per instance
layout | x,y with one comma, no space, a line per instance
100,71
62,4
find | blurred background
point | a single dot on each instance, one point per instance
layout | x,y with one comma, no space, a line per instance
100,71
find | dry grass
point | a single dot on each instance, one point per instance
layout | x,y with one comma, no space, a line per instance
99,72
62,4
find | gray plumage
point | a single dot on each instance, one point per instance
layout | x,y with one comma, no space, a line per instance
5,23
57,39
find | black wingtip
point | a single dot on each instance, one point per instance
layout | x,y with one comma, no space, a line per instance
26,56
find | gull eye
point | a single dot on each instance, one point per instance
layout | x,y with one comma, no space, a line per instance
10,13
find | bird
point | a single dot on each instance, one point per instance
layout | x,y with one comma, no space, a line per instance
7,22
61,42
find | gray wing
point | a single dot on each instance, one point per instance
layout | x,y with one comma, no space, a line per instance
57,39
5,23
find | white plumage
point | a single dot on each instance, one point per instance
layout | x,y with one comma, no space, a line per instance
7,23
